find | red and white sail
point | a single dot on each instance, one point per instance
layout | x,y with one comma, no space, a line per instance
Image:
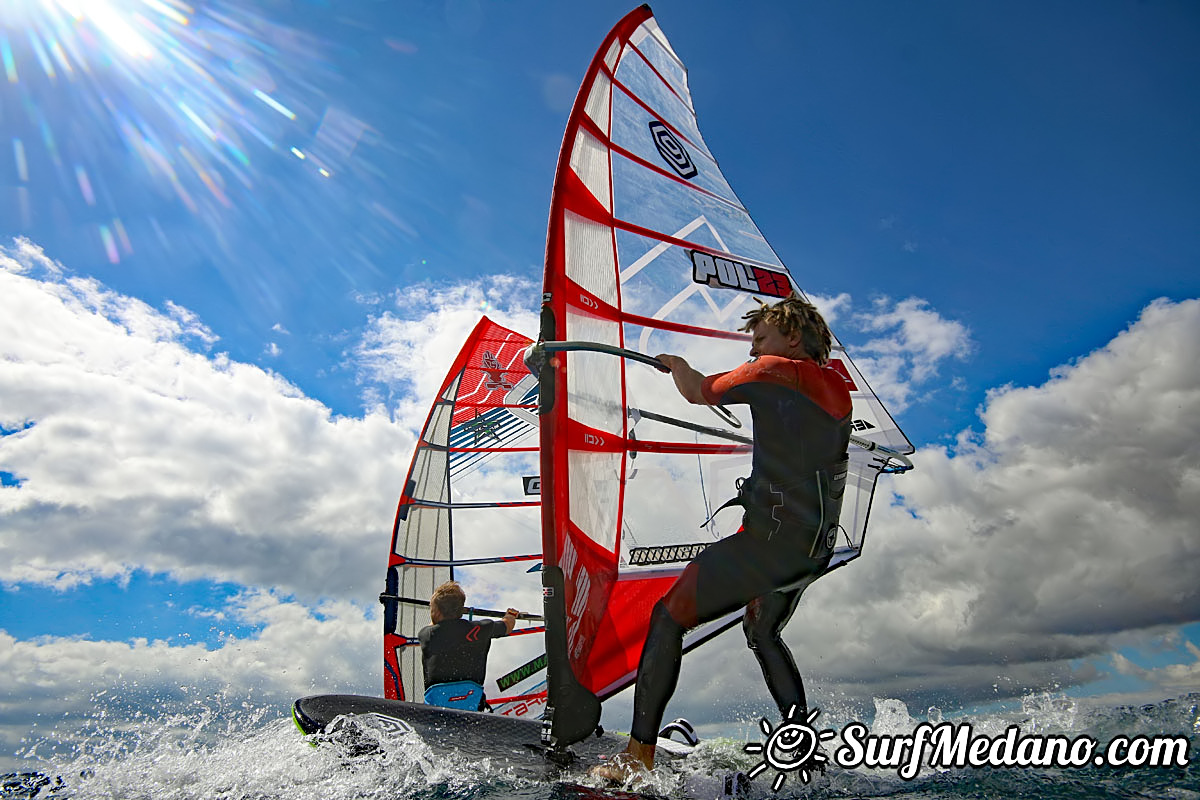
469,512
650,250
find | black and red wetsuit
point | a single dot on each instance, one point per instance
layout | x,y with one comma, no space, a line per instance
801,414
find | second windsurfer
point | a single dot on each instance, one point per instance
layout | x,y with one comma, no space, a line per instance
454,651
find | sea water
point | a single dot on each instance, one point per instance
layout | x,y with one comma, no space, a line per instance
218,749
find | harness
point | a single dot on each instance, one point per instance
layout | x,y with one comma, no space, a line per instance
465,695
809,504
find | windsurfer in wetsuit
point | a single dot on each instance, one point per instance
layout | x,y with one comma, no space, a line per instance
801,412
454,649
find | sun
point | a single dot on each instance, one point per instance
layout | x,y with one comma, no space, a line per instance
790,747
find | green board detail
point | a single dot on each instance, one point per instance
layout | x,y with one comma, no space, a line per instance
521,673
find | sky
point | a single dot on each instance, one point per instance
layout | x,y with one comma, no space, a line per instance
240,243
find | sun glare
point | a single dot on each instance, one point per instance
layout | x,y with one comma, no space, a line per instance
115,25
191,99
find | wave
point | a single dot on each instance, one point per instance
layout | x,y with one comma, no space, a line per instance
217,748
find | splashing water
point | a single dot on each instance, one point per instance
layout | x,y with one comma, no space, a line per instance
221,748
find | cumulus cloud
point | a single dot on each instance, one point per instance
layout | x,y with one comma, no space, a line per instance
831,308
406,349
133,451
914,341
24,255
1016,562
1183,676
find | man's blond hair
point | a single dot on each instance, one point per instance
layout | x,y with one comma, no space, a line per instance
791,316
448,600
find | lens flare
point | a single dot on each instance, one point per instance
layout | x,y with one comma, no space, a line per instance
124,109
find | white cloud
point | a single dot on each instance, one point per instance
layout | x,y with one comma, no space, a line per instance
1066,525
917,341
140,453
406,351
831,308
137,452
24,255
190,324
1180,677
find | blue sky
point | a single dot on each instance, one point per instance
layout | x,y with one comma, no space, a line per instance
216,355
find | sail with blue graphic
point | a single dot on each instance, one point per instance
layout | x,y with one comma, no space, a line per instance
470,512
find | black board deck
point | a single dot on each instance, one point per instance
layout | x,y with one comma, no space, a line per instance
515,741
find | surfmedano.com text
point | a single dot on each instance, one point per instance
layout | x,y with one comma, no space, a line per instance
946,746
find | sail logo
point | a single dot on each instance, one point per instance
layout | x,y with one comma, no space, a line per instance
506,682
725,273
495,373
389,725
672,151
569,563
525,707
584,300
665,554
532,484
593,440
860,425
583,589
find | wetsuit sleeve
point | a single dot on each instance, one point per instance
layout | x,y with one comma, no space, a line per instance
726,387
423,635
499,629
711,388
822,385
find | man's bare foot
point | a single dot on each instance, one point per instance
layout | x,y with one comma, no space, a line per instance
637,757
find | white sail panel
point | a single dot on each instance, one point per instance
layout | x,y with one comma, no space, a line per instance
589,262
589,160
